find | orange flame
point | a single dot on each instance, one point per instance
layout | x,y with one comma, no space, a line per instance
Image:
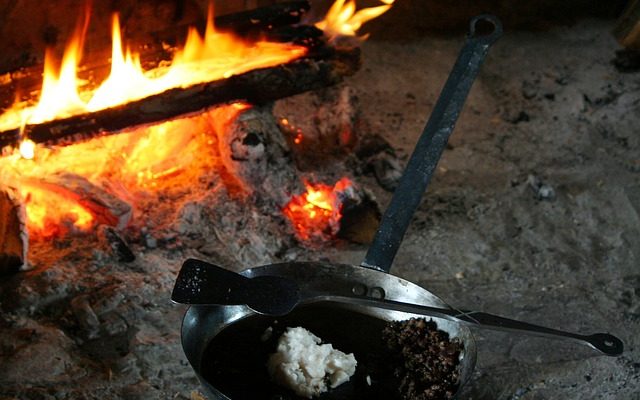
163,157
40,201
316,213
142,160
215,56
343,20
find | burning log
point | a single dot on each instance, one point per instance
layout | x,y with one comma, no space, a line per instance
103,207
324,212
14,240
325,67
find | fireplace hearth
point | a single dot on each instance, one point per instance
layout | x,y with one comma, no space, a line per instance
91,316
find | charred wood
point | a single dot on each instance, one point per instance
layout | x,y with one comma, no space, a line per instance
264,19
326,67
13,233
115,244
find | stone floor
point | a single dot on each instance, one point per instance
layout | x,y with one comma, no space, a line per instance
534,214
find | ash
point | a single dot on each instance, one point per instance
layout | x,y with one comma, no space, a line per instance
534,214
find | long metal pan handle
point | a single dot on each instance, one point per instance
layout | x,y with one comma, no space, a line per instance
432,142
605,343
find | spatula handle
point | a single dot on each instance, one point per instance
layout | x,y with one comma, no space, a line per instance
199,282
207,284
604,342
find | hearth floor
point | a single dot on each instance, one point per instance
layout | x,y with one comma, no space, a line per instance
548,108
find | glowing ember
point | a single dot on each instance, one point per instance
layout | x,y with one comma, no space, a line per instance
27,149
167,156
343,20
51,213
316,214
215,56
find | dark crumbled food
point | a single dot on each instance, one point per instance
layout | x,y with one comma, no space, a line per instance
425,359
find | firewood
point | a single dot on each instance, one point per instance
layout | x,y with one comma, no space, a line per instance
325,67
264,19
106,208
14,240
627,30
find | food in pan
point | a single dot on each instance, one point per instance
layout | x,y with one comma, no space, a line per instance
426,362
308,367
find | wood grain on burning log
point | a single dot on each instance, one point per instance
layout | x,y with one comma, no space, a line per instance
326,67
14,239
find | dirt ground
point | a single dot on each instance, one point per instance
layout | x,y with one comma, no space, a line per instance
547,109
534,214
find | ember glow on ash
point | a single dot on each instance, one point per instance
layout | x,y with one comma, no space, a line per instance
316,213
342,19
41,206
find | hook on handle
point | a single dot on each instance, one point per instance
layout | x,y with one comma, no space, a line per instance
608,344
486,28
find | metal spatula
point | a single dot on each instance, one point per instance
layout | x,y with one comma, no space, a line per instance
208,284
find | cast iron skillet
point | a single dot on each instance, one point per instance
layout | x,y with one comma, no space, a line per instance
223,344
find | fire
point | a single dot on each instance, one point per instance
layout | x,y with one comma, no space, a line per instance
40,201
143,161
343,20
316,213
214,56
27,149
161,157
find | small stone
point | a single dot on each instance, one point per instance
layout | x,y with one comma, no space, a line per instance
86,316
529,90
546,192
627,60
521,117
387,170
543,191
150,242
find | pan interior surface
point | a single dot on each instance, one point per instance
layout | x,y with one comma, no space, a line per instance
234,362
